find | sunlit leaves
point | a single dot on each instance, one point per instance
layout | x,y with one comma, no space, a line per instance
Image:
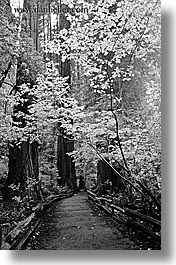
117,48
54,105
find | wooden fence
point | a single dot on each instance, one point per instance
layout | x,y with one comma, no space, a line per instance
132,218
16,238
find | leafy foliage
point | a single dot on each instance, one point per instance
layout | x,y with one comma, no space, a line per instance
112,107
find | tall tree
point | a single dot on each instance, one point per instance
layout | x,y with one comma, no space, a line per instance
117,39
65,163
23,153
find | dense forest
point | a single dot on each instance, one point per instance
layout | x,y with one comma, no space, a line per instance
80,102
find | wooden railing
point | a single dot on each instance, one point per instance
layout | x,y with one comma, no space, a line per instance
15,239
131,218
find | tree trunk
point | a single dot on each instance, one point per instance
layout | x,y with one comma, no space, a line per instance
105,173
65,163
23,157
23,167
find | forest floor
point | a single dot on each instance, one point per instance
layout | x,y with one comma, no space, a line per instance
75,223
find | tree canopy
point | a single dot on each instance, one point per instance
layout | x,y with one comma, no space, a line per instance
79,86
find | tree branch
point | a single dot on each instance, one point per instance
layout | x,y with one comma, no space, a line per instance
116,120
155,201
150,194
6,83
119,175
4,75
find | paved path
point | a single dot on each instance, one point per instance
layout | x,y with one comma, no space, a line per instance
74,224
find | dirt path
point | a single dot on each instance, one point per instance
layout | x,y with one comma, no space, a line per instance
74,224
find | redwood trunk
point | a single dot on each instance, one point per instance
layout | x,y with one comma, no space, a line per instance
65,163
23,157
23,166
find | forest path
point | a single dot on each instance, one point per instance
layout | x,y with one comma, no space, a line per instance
74,223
